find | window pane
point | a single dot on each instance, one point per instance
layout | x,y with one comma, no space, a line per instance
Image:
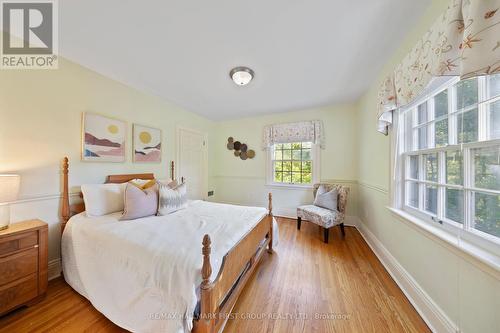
454,168
287,146
495,119
431,167
441,133
422,137
306,178
441,104
412,194
278,166
287,154
278,154
296,178
296,155
487,167
296,145
307,166
287,166
431,199
466,93
278,146
454,206
422,113
278,177
287,177
487,213
414,167
306,154
494,85
296,166
306,145
467,126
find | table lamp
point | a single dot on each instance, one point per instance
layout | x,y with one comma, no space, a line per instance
9,189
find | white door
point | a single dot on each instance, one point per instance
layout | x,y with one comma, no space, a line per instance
192,165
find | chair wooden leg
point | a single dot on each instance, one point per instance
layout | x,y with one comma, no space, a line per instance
299,221
342,229
325,234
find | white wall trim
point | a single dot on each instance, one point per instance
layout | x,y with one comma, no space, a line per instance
431,313
374,187
55,269
43,198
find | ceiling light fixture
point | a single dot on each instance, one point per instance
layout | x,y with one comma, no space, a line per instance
241,75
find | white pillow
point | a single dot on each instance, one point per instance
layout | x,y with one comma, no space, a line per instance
102,199
171,199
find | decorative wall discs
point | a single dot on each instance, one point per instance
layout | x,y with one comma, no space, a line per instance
240,149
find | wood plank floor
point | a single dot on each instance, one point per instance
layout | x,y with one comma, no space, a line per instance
305,286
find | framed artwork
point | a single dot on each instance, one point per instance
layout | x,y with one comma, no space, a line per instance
147,144
103,138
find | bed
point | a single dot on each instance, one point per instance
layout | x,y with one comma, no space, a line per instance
176,273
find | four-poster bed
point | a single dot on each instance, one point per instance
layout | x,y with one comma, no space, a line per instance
217,295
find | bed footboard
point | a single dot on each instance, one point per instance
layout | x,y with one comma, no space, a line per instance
218,297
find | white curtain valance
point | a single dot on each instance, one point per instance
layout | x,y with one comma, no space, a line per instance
464,41
294,132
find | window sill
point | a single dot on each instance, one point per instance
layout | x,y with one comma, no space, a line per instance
491,260
290,186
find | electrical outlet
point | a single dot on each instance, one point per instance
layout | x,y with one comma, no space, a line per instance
210,193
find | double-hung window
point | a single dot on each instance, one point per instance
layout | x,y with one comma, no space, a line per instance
293,164
449,157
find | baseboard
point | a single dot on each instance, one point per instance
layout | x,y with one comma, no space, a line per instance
291,213
430,312
54,269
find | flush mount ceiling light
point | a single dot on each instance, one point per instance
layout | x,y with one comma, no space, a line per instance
241,75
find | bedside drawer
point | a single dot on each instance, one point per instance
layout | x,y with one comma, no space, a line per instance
22,292
18,265
18,242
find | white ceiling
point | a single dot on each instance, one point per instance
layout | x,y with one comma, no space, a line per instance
304,53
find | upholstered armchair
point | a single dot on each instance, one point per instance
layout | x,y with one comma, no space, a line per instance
324,217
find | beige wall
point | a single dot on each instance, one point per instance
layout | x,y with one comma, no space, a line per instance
40,123
244,182
466,292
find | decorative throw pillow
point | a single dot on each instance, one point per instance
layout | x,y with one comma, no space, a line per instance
171,199
326,199
102,199
143,183
140,202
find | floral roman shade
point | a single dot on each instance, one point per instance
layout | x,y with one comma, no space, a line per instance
294,132
464,41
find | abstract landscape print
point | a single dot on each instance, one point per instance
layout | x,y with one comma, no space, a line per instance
103,138
147,144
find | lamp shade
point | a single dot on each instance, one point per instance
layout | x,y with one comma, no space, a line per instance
9,187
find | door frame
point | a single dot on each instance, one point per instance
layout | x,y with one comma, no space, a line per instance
204,180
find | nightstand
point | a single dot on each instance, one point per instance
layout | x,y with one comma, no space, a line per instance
23,264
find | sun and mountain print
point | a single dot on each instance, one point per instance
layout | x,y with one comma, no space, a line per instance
147,144
103,139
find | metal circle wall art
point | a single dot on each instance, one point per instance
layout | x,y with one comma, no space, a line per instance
240,149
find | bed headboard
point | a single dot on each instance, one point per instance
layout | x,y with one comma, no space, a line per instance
68,210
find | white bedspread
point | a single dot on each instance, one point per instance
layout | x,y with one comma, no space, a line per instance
143,274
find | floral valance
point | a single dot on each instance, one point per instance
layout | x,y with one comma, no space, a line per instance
464,41
294,132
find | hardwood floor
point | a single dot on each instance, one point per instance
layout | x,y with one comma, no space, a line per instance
305,286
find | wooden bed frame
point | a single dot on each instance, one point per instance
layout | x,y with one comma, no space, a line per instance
219,296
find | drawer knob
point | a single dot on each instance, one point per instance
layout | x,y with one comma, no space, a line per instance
35,246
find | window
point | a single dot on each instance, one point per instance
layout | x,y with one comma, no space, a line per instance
293,164
449,155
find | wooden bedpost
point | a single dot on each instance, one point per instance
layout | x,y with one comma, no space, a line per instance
172,170
207,309
65,211
270,217
206,270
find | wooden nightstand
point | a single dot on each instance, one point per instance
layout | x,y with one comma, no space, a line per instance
23,264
